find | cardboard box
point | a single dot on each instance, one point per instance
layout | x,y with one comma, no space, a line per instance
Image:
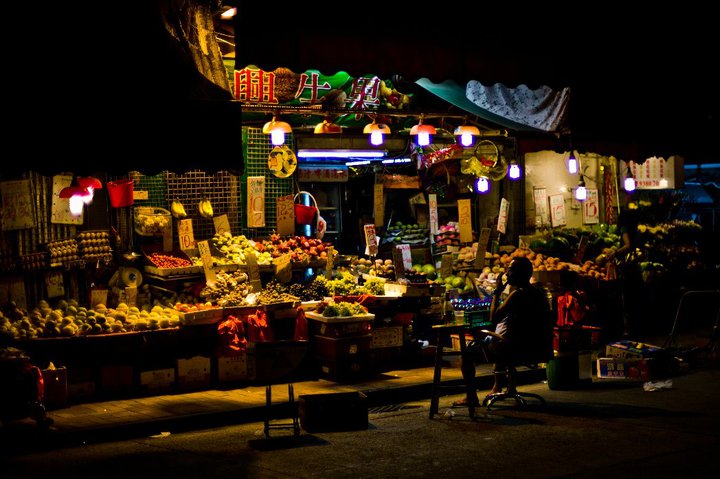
333,412
157,380
625,368
193,372
232,368
387,337
116,379
631,349
81,383
55,387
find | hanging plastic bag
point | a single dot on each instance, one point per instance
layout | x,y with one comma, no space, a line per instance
301,325
258,327
232,337
305,214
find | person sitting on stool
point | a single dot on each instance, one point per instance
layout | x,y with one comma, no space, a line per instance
521,315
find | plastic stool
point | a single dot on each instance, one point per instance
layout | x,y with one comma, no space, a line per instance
443,332
270,415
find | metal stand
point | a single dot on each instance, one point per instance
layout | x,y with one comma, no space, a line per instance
712,343
271,415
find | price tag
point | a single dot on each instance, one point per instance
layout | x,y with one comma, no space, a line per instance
406,255
330,259
285,211
222,224
446,265
256,201
54,284
139,195
482,248
582,247
186,238
503,216
99,296
432,200
254,273
379,204
465,220
371,240
283,268
206,257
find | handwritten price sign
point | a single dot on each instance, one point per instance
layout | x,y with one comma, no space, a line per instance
222,224
285,213
256,201
186,238
557,210
465,220
432,199
371,240
206,257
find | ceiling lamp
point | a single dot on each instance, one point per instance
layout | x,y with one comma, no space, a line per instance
277,130
466,134
572,163
581,191
629,182
90,184
422,132
78,196
326,127
482,185
513,170
376,132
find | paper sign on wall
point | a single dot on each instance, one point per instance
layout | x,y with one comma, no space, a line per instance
503,216
222,224
54,284
256,201
17,205
482,248
99,296
465,220
541,207
591,207
379,204
371,240
446,265
432,200
186,238
206,257
285,214
406,255
558,215
60,210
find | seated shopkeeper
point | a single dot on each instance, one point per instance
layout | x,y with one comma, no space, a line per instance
523,325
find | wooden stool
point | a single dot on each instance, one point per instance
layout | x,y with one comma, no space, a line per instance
443,332
270,415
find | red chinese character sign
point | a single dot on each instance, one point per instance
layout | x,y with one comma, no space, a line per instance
591,207
339,91
558,215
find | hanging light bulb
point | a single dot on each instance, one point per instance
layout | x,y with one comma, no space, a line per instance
90,184
482,185
77,196
422,132
572,163
467,134
376,132
581,191
277,130
629,182
513,170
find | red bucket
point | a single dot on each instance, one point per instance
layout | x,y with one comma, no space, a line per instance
120,193
304,214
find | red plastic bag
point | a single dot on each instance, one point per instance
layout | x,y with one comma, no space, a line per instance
258,328
301,325
232,337
570,310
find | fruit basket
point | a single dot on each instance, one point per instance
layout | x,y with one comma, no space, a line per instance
151,221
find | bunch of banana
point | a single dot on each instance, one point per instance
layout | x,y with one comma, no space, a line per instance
205,208
178,210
